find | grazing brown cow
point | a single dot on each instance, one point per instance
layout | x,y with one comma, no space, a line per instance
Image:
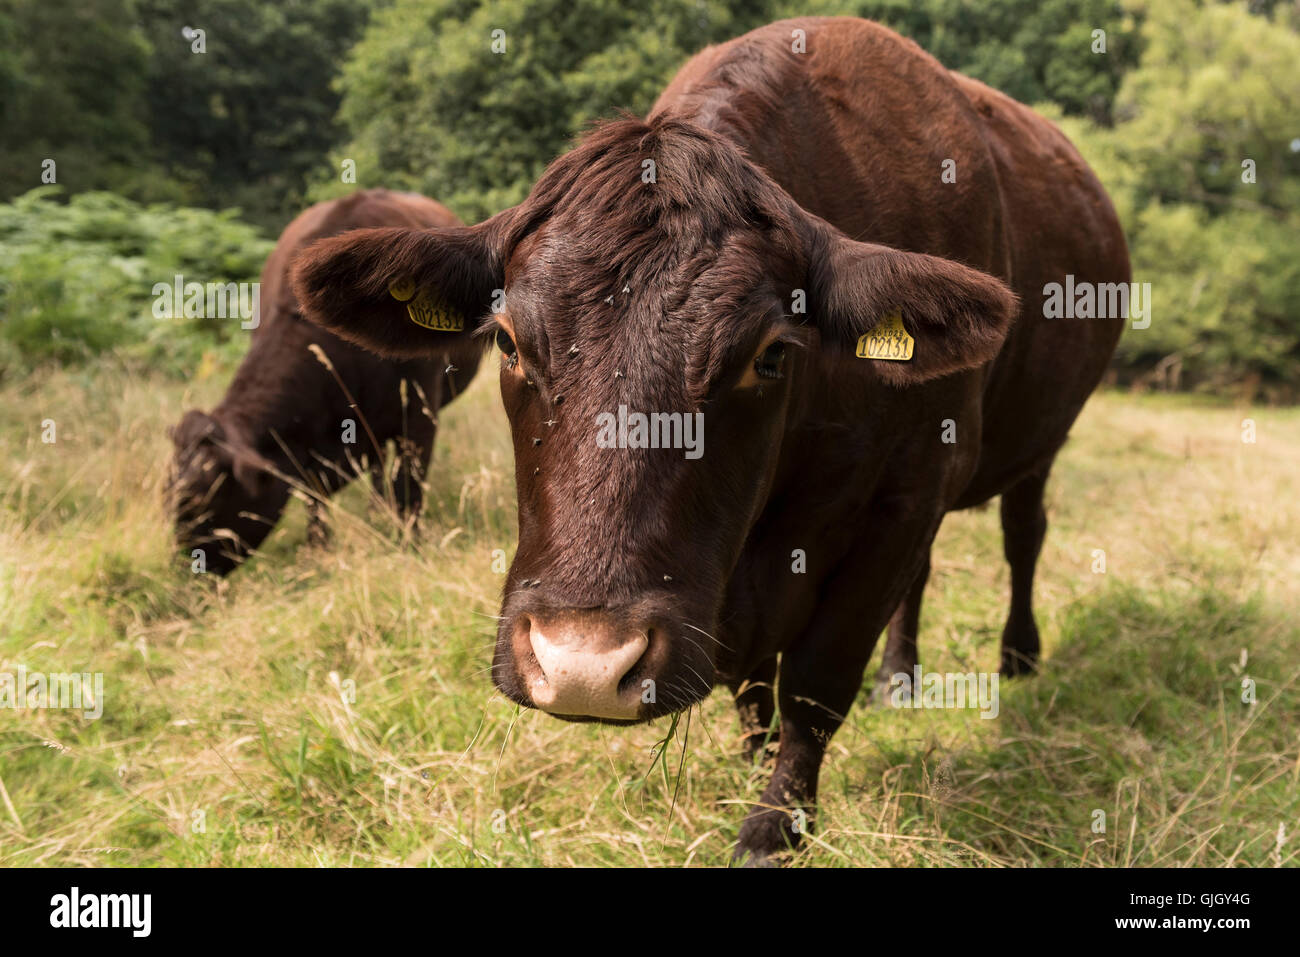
285,414
783,247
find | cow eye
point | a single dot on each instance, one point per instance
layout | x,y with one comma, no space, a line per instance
507,347
770,363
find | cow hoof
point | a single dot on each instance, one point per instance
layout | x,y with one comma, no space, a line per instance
1016,664
768,838
882,695
743,858
1020,644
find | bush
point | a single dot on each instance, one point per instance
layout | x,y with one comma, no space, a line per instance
1204,168
77,278
431,107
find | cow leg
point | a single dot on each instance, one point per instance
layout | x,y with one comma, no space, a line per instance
756,703
379,480
318,528
821,675
818,684
900,655
1024,523
414,448
414,453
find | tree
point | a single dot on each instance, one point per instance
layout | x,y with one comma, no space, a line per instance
467,102
1204,165
71,91
1032,50
245,121
121,98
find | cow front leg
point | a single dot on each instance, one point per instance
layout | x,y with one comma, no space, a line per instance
756,703
414,454
318,526
813,705
900,657
822,671
380,487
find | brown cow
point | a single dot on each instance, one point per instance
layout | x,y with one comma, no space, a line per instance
748,252
285,414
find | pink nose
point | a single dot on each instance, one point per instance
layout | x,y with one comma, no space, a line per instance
581,664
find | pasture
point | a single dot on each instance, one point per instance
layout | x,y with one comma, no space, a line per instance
332,706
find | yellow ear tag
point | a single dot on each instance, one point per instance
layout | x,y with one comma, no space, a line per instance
888,340
427,308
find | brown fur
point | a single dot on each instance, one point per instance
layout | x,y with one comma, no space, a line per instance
776,172
284,411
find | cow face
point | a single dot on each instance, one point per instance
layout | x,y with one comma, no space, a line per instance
634,312
222,494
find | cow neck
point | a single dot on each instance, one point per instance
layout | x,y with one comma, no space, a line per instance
275,390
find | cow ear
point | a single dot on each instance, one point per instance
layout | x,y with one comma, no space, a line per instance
252,471
907,317
196,427
403,293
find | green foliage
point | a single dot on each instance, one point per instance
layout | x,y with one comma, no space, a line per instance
244,123
431,107
1216,86
1033,50
71,89
115,94
77,279
1216,89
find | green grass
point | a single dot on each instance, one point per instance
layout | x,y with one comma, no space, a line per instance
229,704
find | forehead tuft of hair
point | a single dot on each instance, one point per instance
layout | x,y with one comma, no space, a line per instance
631,182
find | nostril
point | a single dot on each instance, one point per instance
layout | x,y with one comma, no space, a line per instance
636,673
525,647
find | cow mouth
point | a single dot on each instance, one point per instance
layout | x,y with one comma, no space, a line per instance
515,690
648,714
590,719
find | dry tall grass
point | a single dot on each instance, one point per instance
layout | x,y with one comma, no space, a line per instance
229,735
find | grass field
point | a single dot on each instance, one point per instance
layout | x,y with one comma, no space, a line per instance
229,735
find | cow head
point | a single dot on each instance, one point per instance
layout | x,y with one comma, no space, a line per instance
222,494
653,271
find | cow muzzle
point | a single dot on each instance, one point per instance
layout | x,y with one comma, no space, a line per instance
584,664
